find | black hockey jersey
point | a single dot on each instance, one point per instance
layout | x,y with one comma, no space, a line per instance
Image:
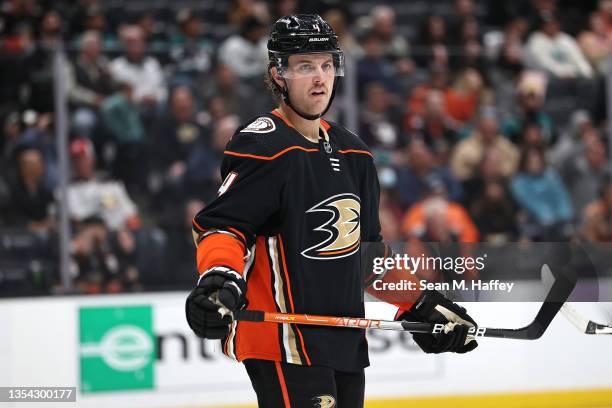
302,210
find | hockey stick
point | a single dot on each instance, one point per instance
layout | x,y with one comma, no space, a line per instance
559,292
580,322
584,325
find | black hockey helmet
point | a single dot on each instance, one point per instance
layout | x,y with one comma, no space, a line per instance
303,34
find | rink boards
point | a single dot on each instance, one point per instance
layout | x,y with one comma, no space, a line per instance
137,351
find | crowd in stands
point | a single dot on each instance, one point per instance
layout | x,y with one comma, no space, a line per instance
487,121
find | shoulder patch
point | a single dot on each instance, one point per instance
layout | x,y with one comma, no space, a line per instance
260,125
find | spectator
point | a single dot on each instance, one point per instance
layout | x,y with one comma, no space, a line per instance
280,8
555,51
605,8
462,99
178,131
530,95
540,194
31,201
143,73
435,219
89,83
432,47
495,213
191,51
436,127
571,144
510,59
39,134
597,226
246,53
373,67
437,79
586,172
378,126
92,197
16,55
468,153
390,212
92,17
395,48
596,43
338,20
469,47
15,14
231,91
532,136
242,10
202,174
105,220
122,121
489,170
178,134
389,225
422,165
155,34
464,10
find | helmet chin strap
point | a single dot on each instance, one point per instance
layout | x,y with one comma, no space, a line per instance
285,94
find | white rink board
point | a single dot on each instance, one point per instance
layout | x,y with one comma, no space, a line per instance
39,345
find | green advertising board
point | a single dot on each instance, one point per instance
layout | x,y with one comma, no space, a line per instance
117,348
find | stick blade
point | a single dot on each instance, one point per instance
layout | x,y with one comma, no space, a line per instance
564,282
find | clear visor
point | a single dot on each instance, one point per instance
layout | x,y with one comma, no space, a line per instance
327,64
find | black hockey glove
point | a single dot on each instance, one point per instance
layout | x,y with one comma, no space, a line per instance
217,285
433,307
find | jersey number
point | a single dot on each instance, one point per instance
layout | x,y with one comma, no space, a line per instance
227,182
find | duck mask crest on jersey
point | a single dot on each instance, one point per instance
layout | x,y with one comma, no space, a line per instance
342,228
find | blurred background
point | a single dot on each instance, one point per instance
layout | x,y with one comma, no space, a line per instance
491,116
488,121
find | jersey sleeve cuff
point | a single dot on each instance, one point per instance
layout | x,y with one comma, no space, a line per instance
220,250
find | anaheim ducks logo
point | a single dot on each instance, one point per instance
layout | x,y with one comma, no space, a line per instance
324,401
342,228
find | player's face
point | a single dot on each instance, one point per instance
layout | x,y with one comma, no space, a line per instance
310,80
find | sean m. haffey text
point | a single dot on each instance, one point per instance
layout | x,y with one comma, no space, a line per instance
411,264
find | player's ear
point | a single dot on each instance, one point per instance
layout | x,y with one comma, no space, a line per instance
276,77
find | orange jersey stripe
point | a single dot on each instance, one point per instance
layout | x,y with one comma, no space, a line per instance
259,340
254,156
325,125
282,250
235,231
195,223
356,151
220,249
276,113
281,379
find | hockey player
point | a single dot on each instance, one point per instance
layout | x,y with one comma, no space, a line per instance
299,197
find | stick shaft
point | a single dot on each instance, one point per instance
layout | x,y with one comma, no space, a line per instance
562,286
357,323
349,322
